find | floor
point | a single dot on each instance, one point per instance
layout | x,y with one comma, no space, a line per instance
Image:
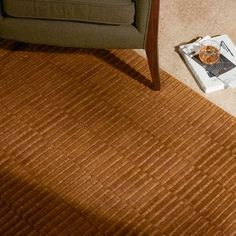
87,150
195,18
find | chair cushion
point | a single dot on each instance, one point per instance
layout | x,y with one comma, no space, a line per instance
94,11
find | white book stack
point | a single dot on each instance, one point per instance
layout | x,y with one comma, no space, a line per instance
222,75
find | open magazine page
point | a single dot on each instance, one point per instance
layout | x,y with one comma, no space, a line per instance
212,77
226,70
206,83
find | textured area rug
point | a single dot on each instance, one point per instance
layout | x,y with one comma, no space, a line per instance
86,148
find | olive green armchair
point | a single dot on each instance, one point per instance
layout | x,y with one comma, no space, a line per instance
105,24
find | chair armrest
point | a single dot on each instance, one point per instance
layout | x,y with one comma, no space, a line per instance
142,12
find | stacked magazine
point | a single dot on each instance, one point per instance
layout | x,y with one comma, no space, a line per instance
221,75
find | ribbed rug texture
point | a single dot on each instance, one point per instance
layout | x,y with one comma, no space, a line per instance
86,148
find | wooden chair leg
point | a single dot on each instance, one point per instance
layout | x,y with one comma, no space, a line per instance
152,56
152,44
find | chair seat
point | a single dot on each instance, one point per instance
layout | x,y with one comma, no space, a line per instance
93,11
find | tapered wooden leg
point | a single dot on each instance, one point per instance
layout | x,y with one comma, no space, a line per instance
152,44
152,56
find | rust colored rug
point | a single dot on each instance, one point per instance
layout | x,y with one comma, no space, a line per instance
86,148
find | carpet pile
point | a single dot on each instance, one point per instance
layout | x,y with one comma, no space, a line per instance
86,148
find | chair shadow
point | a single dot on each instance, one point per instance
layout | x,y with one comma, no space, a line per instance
38,210
111,59
103,54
